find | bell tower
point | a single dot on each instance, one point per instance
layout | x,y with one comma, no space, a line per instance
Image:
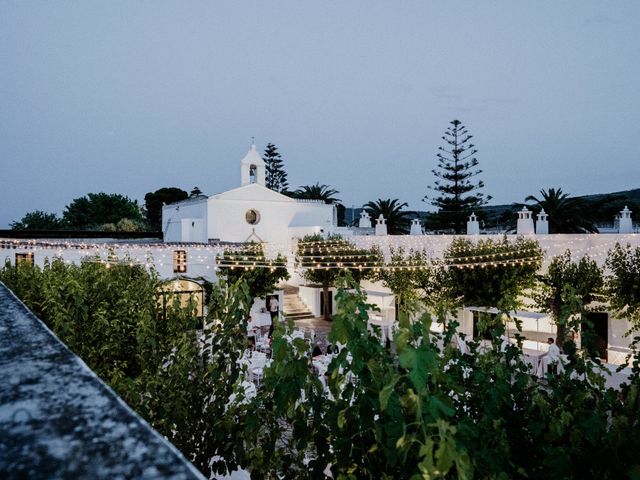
252,168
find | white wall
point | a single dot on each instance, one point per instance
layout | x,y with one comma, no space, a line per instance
385,302
175,229
311,297
618,342
193,230
226,219
200,258
465,319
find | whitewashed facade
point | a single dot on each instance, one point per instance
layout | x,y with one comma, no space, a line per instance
198,260
249,212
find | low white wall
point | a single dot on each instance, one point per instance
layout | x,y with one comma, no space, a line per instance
200,258
465,319
385,302
618,342
311,297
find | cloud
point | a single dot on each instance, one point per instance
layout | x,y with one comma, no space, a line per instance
498,100
600,20
469,102
446,92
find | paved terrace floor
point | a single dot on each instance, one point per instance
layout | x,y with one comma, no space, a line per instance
319,325
59,420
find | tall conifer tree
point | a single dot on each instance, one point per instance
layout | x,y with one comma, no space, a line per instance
457,194
276,176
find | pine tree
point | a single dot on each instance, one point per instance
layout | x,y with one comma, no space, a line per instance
457,194
276,176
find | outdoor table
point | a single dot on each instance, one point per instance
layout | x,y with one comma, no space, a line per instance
321,364
532,358
539,363
260,319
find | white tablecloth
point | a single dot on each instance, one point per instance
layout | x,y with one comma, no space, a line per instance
260,319
321,363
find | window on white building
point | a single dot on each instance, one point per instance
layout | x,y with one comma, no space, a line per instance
179,261
252,217
26,258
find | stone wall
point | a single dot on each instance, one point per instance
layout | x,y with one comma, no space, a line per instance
59,420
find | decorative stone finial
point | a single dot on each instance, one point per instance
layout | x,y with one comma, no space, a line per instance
381,225
416,227
542,224
473,226
365,220
626,224
525,222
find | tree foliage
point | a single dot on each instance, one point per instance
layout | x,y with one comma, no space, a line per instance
323,259
457,193
95,209
147,350
567,288
422,411
623,285
392,210
38,220
153,202
317,192
484,273
409,275
276,176
250,265
566,214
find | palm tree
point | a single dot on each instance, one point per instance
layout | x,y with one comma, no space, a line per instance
317,192
391,210
566,214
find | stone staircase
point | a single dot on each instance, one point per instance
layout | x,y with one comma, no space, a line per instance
293,307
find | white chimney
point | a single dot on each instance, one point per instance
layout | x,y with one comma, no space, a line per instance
473,226
525,222
542,223
381,226
416,227
626,225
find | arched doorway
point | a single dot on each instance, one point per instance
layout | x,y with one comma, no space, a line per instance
185,289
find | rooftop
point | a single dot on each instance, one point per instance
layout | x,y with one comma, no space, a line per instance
59,420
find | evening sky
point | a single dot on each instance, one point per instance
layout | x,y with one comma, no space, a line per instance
130,96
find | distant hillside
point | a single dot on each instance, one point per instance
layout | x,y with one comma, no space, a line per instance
605,205
632,196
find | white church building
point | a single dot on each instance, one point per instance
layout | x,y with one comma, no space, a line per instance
249,212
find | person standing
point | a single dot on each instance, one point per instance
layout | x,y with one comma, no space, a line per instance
549,361
274,307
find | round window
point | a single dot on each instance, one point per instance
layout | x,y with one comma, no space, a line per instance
252,217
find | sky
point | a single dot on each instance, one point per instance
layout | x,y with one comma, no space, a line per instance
131,96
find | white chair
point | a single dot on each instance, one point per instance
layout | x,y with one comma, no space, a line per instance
249,391
461,344
546,361
256,367
504,344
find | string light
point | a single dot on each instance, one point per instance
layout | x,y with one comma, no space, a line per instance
330,253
